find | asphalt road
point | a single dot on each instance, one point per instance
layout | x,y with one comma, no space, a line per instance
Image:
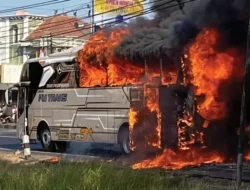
8,140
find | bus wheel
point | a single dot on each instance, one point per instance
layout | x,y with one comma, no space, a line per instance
124,140
45,138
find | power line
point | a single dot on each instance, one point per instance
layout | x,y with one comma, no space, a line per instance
75,30
64,22
149,9
147,12
47,17
144,13
60,23
33,5
70,31
76,5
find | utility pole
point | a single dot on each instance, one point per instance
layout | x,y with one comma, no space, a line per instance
51,44
92,17
244,113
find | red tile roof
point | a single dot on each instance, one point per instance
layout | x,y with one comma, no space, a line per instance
60,26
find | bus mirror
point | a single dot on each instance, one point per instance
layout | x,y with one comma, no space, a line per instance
8,97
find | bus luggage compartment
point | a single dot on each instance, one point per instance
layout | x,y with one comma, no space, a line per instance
156,108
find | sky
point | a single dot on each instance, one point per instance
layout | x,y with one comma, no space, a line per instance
44,10
49,10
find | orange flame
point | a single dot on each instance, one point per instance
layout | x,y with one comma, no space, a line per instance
209,68
55,159
99,66
204,66
152,103
206,69
132,120
180,159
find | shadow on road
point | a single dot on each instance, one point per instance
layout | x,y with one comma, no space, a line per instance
79,148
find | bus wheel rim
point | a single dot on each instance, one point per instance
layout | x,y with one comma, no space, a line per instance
126,145
46,137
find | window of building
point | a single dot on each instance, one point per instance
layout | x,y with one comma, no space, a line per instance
15,35
14,31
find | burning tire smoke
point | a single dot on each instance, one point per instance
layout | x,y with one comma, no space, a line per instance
201,49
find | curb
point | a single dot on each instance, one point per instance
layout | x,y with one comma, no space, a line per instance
64,157
7,126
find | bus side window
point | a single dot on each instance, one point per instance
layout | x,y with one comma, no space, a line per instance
50,82
25,73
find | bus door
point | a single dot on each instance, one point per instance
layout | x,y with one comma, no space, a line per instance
21,113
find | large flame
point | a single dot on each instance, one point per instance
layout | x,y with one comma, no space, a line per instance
100,67
152,103
132,120
209,69
179,159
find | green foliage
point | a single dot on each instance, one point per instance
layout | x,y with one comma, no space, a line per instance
88,176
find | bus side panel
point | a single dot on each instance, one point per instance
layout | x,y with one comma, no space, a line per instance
117,118
63,117
38,116
95,121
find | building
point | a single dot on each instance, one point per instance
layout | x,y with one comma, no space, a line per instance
14,29
25,36
57,34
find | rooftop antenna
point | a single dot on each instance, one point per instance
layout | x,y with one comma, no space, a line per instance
75,13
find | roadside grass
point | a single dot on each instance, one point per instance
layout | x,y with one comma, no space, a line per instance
90,176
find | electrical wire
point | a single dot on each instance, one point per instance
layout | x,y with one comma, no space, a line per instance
113,22
147,12
33,5
45,17
73,19
150,11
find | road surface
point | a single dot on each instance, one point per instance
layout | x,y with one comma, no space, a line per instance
8,140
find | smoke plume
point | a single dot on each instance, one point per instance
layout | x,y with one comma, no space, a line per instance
172,27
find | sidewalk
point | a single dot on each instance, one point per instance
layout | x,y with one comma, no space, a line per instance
8,126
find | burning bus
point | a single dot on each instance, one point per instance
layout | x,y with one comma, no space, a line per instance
58,102
55,110
167,89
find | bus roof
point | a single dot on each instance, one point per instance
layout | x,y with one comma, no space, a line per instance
65,56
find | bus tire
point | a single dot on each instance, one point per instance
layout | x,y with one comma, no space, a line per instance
45,139
124,140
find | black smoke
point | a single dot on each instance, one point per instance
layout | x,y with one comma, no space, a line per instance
173,28
178,22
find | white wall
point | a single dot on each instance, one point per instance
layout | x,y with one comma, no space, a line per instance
10,73
3,33
7,44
